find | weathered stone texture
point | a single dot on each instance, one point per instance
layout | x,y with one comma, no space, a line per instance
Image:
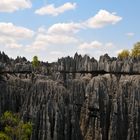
77,106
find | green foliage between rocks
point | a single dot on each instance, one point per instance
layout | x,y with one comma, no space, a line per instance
136,50
124,54
35,62
3,136
13,128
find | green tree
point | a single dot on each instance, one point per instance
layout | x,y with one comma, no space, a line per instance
3,136
35,62
13,128
124,54
136,50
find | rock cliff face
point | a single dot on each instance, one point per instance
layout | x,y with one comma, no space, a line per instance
74,106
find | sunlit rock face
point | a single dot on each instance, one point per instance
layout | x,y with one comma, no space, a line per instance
112,108
74,106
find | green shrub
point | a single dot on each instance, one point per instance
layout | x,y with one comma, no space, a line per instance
124,54
3,136
136,50
35,62
13,128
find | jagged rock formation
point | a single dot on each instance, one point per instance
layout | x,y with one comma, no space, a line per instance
79,63
74,106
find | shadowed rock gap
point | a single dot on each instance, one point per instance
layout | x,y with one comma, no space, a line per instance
100,72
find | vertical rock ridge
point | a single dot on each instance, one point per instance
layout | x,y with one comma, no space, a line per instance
74,106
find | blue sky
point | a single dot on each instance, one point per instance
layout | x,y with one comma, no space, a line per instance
56,28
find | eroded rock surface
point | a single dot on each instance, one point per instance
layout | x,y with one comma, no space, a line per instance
74,106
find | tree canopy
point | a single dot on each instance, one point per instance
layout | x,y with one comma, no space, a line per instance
13,128
136,50
35,62
124,54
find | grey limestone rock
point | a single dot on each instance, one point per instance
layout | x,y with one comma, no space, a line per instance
75,106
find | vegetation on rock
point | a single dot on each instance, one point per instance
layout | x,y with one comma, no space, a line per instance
13,128
135,52
124,54
35,62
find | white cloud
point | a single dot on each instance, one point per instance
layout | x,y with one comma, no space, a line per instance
14,5
42,41
60,39
5,39
9,29
65,28
93,44
118,51
9,42
14,45
56,39
56,53
59,34
11,35
130,34
37,45
97,48
109,45
42,30
55,11
102,18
